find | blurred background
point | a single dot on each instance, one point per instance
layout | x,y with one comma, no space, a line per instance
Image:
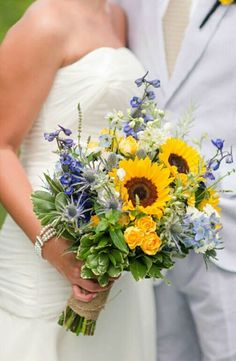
10,12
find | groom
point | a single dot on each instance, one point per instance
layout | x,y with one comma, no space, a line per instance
196,315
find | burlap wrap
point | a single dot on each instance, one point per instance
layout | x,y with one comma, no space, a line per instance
92,309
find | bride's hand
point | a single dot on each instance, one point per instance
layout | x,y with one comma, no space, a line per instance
54,251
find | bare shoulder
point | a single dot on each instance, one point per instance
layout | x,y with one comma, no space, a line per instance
42,20
120,21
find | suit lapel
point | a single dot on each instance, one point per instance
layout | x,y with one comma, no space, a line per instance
194,45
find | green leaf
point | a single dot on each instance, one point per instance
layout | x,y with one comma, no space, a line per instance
103,243
67,235
103,280
82,254
117,255
43,202
114,272
61,201
155,272
147,261
102,226
54,185
48,218
113,216
101,270
86,273
112,259
103,260
138,270
92,261
118,240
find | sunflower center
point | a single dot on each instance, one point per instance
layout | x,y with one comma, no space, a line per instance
142,188
179,162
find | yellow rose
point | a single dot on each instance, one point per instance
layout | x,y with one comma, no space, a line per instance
226,2
133,237
128,146
151,243
146,224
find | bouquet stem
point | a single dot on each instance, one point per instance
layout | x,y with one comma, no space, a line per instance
80,317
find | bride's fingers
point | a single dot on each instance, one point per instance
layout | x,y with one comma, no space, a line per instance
93,286
82,295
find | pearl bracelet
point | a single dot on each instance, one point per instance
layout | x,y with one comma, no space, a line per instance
45,235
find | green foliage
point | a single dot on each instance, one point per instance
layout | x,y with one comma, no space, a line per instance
10,12
2,215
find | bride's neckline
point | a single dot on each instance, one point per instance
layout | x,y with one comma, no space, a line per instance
92,53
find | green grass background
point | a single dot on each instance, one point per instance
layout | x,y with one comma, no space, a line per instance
10,12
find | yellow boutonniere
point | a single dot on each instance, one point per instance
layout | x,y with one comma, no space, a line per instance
214,7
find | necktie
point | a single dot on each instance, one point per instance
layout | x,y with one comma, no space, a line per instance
175,23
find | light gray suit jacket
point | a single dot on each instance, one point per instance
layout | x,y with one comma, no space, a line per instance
205,75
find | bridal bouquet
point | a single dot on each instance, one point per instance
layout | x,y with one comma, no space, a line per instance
132,200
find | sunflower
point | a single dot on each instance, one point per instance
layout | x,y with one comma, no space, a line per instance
213,198
145,185
181,159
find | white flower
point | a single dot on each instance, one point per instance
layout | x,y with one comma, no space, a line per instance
193,212
121,174
153,136
168,127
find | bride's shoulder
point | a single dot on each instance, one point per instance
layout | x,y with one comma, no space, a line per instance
39,37
43,19
119,20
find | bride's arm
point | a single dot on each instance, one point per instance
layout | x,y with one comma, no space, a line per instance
29,57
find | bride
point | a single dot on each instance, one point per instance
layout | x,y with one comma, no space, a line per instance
60,53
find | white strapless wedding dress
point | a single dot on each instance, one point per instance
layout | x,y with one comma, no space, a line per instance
32,293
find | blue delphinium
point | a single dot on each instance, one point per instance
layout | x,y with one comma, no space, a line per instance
147,118
66,159
67,143
209,175
215,162
218,143
136,102
201,230
66,179
75,167
51,136
151,95
155,83
139,82
66,131
128,130
62,143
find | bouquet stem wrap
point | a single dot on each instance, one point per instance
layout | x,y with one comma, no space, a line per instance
80,317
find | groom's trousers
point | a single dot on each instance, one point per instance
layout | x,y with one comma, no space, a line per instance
196,314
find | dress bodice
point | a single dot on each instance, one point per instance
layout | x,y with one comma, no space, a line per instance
101,81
